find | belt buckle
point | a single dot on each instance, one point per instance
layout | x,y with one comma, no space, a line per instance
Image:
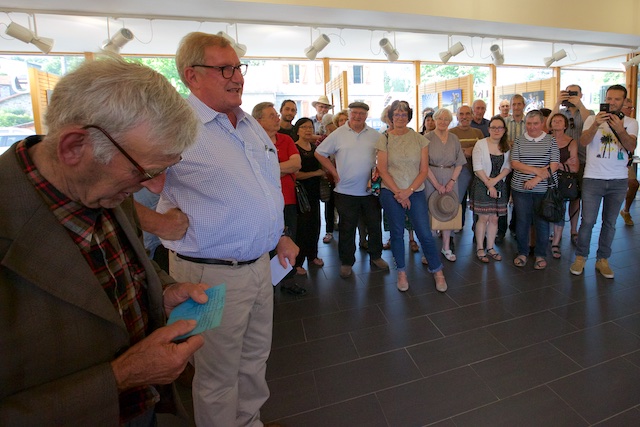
234,263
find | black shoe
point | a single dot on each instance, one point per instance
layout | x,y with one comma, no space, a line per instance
500,238
293,290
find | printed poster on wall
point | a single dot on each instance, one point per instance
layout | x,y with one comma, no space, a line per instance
452,100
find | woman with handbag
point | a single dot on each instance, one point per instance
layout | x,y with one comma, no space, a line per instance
403,164
533,157
568,163
308,176
446,160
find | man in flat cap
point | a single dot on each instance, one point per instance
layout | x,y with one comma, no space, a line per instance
353,148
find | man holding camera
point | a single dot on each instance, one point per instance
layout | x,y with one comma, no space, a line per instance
575,111
609,138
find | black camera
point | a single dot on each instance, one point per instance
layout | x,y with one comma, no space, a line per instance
620,115
572,92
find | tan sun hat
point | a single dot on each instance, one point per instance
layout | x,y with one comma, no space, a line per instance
443,207
322,100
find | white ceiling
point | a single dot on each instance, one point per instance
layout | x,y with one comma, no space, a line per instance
284,31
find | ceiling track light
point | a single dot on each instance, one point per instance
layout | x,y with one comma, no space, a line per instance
633,61
320,43
389,51
451,52
117,42
24,34
555,57
241,49
496,54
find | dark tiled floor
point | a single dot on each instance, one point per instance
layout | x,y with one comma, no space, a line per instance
505,346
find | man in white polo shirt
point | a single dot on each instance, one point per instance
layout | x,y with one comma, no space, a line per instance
353,148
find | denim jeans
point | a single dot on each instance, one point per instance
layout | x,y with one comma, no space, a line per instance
419,217
350,209
524,205
594,191
464,182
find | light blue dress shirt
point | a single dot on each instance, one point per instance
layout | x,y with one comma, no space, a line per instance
228,184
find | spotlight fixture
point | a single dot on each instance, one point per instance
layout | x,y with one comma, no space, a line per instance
240,48
389,51
556,56
451,52
117,42
496,54
633,61
320,43
24,34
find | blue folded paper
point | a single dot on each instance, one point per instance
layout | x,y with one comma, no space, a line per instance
208,315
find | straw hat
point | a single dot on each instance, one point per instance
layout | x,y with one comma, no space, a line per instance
443,207
322,100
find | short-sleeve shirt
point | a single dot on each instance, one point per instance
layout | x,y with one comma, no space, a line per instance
403,156
606,158
355,155
537,152
287,148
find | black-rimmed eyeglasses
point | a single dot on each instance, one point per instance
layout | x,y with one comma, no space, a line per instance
146,175
227,71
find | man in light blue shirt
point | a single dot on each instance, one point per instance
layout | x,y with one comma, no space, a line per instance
228,185
354,148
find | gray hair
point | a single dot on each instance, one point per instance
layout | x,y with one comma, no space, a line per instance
443,112
534,113
120,96
191,50
258,110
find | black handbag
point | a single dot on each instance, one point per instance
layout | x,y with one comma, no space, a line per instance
303,198
568,183
551,208
325,189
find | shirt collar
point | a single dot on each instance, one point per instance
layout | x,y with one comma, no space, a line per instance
538,139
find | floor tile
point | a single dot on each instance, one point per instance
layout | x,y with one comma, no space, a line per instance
597,344
299,358
342,321
627,418
414,306
594,311
470,317
602,391
394,335
455,351
533,408
366,375
435,398
535,300
526,330
523,369
483,291
361,412
296,393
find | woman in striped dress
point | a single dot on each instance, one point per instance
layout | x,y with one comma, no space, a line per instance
533,155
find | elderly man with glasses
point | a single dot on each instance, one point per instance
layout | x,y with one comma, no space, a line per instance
82,308
228,184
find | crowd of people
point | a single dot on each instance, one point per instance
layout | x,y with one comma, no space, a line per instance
96,349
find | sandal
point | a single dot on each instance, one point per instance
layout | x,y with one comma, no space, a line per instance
482,257
441,282
424,261
318,262
493,254
520,261
300,271
414,246
555,251
449,255
387,245
540,264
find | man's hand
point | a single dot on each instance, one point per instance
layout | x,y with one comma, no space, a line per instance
175,225
616,123
287,250
178,293
156,359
